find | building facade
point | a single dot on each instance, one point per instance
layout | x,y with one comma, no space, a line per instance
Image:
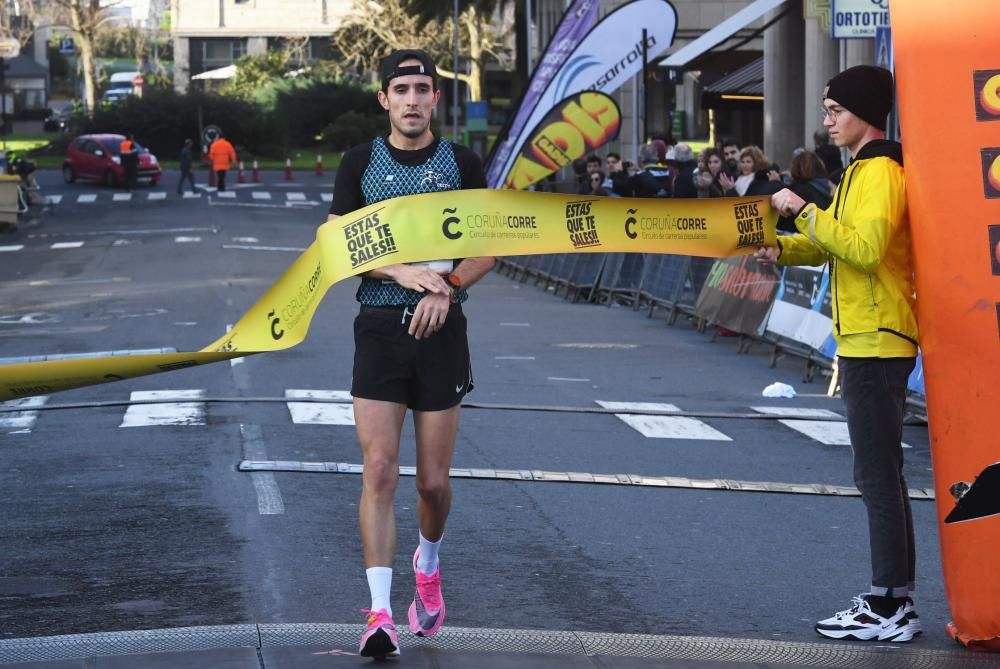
210,34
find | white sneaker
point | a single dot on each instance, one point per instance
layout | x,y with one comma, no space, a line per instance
860,622
905,628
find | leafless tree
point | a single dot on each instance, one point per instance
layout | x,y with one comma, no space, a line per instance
373,29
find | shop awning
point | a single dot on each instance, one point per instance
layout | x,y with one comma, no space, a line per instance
227,72
721,32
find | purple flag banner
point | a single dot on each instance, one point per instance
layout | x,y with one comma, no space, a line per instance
576,22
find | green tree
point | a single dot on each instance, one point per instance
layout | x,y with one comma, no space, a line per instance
255,72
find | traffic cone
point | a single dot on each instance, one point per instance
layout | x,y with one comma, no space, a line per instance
211,177
239,175
255,175
288,168
319,164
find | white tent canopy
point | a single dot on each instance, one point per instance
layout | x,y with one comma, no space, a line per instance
227,72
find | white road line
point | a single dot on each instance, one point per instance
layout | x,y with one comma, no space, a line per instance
797,411
326,197
515,325
340,410
121,197
90,197
122,242
260,195
514,357
15,247
66,245
664,427
246,240
269,502
188,195
229,195
825,432
566,378
167,412
186,240
296,197
53,199
21,421
157,196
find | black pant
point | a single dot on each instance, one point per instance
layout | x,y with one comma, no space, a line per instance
186,175
130,163
220,179
874,391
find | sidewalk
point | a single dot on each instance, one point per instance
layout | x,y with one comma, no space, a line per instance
292,646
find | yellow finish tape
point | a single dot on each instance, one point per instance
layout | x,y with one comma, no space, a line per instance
451,224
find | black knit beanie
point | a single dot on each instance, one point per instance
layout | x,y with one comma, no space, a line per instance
865,91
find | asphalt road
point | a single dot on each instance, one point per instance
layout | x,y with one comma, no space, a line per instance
111,525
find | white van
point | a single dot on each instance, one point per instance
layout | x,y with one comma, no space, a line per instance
122,82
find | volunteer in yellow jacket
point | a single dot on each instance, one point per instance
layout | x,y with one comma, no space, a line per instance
865,237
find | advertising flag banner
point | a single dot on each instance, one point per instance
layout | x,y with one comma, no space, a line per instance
575,127
958,294
609,55
576,22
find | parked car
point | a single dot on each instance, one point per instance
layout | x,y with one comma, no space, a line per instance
97,157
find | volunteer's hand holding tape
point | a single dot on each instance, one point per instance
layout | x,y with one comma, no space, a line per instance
453,224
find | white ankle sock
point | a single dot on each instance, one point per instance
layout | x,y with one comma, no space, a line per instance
380,585
427,558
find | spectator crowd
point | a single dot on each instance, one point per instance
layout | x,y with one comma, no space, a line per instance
664,169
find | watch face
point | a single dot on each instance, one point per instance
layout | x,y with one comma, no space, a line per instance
455,281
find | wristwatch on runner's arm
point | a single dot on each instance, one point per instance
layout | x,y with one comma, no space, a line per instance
455,286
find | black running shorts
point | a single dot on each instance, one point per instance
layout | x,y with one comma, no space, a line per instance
430,374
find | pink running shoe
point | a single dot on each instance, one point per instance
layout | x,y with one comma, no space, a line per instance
427,609
380,639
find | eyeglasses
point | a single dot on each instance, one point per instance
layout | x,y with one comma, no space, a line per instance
832,113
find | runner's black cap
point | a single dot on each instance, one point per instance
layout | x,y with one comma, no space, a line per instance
390,69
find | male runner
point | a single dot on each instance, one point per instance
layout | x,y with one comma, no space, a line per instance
411,349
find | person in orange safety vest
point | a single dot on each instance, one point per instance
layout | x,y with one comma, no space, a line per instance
221,154
129,155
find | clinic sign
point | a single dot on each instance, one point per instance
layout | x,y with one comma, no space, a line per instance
858,18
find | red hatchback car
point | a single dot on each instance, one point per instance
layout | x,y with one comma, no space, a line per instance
97,157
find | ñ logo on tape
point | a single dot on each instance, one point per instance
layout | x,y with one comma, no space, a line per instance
448,222
991,172
986,86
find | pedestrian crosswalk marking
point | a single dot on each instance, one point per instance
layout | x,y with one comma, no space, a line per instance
327,197
190,196
53,199
21,421
157,196
15,247
186,240
295,197
87,197
261,195
663,427
229,195
121,197
167,410
66,245
339,410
